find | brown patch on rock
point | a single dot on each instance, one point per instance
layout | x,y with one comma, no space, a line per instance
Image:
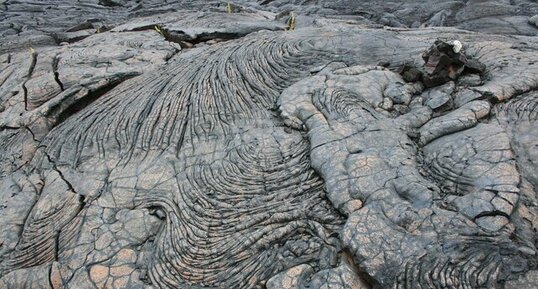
121,271
55,277
126,256
99,273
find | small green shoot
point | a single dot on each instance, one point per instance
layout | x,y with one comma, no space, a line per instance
291,22
229,8
98,29
32,50
159,30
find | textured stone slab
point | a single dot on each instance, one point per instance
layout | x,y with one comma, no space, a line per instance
195,144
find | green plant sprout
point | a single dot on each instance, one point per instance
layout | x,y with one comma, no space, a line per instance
159,30
229,7
291,22
32,50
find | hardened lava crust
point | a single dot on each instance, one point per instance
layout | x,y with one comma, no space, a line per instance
269,144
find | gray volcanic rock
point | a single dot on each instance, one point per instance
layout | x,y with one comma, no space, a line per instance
195,144
491,16
43,23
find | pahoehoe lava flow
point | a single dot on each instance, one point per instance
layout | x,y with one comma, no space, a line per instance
269,144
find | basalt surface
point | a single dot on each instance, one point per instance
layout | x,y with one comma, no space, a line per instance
268,144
